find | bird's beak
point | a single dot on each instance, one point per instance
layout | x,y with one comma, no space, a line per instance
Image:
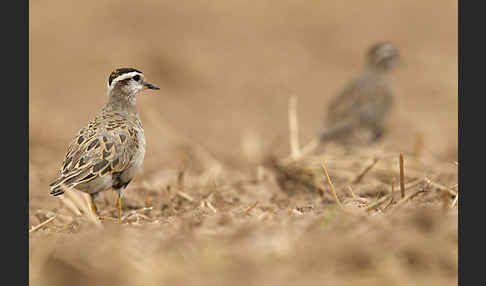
147,85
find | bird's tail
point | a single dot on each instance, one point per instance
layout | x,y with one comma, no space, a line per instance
64,181
55,186
71,180
56,191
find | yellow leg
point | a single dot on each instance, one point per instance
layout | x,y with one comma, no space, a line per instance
119,209
93,207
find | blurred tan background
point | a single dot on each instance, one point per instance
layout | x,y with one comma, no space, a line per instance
227,68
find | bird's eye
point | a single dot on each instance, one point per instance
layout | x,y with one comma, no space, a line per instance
136,78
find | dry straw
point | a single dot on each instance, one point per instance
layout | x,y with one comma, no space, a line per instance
40,225
441,187
294,128
378,203
392,193
185,196
402,177
248,209
365,171
295,151
333,190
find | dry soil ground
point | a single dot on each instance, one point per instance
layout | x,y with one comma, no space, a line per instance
209,208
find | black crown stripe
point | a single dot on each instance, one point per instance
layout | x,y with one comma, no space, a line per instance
118,72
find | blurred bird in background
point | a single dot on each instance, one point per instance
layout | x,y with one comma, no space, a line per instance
358,113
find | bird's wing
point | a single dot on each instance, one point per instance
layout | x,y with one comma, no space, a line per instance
378,104
96,151
362,101
345,103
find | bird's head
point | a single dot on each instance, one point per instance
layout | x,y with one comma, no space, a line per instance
382,56
127,83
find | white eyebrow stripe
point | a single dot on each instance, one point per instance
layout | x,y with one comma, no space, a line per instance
125,76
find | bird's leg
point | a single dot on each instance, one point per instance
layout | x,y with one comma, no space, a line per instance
121,192
119,208
93,205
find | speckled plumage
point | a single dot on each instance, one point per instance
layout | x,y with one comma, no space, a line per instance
109,151
358,113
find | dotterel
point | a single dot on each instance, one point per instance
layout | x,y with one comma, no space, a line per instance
109,151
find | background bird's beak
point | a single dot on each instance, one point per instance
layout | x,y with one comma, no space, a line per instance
402,62
147,85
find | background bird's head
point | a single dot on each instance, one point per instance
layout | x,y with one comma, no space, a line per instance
382,56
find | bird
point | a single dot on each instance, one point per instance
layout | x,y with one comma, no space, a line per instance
108,152
357,114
